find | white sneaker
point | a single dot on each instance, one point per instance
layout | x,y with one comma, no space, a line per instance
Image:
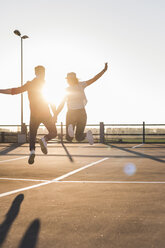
90,137
43,145
31,157
70,130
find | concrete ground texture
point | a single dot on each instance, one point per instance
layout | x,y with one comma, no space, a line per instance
100,196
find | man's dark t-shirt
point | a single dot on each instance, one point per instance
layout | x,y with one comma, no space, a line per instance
38,106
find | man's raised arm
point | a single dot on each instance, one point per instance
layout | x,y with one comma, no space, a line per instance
6,91
15,91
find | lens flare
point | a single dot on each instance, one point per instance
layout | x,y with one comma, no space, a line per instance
130,169
52,95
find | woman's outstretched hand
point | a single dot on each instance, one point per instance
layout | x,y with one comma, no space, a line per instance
106,67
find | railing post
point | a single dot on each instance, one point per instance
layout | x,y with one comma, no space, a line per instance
61,132
102,140
3,137
143,132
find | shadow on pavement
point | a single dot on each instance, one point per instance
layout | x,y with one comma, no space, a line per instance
30,237
9,149
138,153
10,217
68,154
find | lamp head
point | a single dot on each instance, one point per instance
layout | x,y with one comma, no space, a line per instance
24,37
17,32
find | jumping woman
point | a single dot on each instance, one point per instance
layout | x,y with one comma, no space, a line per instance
76,100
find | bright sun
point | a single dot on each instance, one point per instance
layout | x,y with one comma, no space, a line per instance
53,94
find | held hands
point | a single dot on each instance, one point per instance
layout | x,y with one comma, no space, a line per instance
55,118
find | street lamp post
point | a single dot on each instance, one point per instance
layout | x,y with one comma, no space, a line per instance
17,32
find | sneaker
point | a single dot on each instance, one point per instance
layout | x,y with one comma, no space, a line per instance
31,157
90,137
43,145
70,130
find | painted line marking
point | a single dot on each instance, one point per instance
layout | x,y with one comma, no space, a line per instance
54,180
12,159
21,179
95,182
138,145
23,189
80,169
113,182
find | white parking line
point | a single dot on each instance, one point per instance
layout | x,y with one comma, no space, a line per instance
118,182
21,179
78,170
137,145
95,182
12,159
54,180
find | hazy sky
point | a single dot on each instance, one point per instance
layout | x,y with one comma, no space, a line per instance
80,36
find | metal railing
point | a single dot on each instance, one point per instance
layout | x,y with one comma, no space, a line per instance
103,133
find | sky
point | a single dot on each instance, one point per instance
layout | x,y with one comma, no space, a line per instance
80,36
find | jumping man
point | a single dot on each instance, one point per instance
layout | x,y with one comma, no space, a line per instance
39,110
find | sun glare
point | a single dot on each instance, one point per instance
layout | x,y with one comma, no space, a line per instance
53,95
